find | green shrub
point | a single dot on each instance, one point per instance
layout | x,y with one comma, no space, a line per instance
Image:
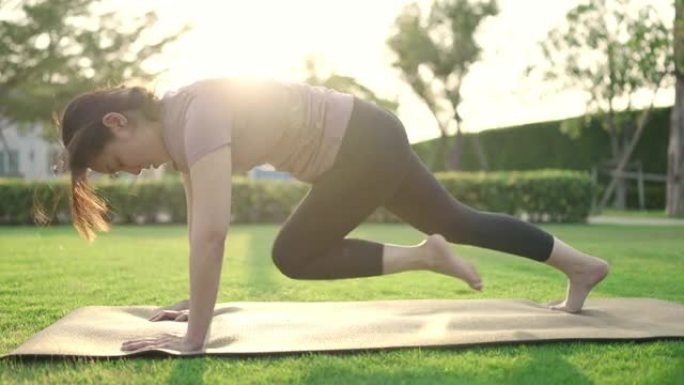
550,145
539,196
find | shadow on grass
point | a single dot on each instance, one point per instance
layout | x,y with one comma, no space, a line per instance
539,365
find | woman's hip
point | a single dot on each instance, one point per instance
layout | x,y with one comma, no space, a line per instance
375,138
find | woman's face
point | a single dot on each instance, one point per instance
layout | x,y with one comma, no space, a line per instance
133,146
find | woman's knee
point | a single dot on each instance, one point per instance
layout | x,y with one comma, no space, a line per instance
289,261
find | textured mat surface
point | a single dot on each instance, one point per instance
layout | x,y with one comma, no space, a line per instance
288,327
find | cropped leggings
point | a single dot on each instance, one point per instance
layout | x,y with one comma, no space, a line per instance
375,166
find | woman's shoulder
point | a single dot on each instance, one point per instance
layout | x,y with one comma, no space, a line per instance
205,86
245,86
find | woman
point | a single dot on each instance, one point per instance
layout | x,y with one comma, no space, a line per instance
355,155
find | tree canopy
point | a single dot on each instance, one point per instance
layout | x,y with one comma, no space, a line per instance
613,51
51,50
434,52
346,84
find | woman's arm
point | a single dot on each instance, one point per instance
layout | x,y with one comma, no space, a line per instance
187,186
178,311
210,193
210,206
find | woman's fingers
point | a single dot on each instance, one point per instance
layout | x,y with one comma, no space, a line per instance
164,315
139,344
157,316
162,342
170,315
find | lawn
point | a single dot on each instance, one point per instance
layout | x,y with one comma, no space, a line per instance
659,214
46,273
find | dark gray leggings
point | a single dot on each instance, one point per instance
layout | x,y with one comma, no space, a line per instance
376,166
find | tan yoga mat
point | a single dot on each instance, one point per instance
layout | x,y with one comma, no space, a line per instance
248,328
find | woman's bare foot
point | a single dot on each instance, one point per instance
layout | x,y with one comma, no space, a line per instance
583,271
441,259
580,284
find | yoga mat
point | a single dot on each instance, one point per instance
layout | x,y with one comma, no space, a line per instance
249,328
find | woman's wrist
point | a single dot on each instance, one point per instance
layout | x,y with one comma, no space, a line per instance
193,343
196,333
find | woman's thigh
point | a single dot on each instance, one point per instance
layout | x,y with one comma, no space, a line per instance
331,210
423,202
369,166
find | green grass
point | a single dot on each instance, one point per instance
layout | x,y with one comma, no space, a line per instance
46,273
636,213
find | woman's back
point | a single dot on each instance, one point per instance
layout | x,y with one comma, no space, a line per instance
294,127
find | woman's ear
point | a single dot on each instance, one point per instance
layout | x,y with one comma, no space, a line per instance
114,120
117,123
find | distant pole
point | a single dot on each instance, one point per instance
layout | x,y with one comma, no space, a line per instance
642,200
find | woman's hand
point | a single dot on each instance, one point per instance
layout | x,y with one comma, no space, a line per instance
166,341
171,315
172,312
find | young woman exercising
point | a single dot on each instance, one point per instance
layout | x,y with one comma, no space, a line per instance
355,155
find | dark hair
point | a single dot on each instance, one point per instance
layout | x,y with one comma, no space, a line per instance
84,136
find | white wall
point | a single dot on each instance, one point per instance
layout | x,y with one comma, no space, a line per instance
35,154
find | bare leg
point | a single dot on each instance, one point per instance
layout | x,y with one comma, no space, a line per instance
583,271
433,254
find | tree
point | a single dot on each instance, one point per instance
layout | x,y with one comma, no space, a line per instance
434,54
51,50
675,163
344,84
612,52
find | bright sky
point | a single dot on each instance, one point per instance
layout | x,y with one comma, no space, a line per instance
271,38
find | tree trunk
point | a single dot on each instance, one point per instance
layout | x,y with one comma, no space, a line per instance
675,151
630,148
453,157
481,155
439,162
675,160
620,202
620,187
3,140
612,131
4,123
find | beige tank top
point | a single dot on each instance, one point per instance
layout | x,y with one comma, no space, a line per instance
294,127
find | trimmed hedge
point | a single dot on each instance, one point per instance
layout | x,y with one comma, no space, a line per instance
538,196
546,145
